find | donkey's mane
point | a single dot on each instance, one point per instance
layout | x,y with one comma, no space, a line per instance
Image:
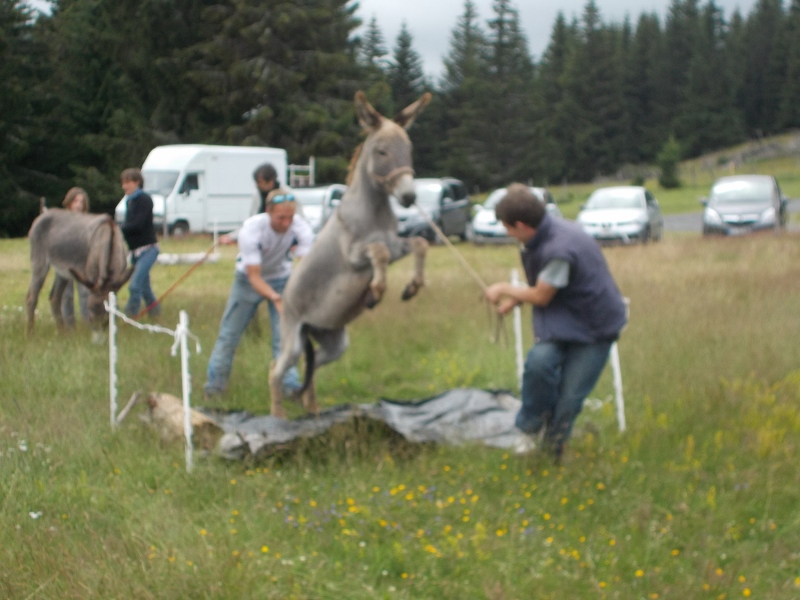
352,166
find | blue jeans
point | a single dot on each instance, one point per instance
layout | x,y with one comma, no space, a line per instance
242,305
557,378
139,284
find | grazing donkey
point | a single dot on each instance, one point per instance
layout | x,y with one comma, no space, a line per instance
345,270
88,247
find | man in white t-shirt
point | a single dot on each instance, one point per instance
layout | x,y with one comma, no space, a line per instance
267,243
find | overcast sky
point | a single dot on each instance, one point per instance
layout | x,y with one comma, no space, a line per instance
431,22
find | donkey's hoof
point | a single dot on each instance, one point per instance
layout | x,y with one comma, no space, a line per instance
278,412
370,301
410,290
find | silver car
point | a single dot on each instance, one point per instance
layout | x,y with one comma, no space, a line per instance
486,229
623,214
318,203
743,203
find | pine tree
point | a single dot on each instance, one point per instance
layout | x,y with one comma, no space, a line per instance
506,118
463,97
553,123
764,67
647,134
17,119
283,74
708,119
406,76
790,90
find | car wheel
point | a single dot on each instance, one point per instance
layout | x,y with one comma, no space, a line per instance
645,235
469,233
180,229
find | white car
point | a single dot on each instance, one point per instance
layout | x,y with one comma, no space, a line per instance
623,214
486,229
318,203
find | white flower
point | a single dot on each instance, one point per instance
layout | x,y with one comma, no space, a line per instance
35,515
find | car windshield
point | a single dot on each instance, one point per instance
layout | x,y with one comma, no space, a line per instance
494,198
159,182
614,199
309,197
741,192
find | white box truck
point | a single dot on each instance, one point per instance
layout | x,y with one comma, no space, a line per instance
204,187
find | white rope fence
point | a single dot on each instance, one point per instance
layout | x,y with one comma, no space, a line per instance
180,337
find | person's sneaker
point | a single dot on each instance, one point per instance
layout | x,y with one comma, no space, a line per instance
524,444
211,395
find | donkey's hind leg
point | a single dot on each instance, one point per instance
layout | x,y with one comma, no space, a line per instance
39,268
56,299
332,343
419,246
291,349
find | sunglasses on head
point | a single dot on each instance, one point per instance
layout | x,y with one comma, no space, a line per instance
282,198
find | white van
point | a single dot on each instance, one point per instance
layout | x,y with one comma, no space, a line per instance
204,187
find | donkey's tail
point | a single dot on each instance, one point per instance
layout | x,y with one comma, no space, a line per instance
309,351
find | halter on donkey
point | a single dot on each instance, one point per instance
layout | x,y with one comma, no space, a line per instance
345,271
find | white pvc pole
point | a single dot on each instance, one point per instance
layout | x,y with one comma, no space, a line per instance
112,357
186,381
617,372
518,331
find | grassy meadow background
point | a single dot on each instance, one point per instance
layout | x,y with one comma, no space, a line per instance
698,499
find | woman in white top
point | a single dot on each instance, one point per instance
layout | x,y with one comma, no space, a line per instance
267,244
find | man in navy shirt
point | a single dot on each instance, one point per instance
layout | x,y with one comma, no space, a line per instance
578,313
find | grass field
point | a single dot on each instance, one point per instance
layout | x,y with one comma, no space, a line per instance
698,499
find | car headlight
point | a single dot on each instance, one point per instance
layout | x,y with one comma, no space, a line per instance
768,216
711,217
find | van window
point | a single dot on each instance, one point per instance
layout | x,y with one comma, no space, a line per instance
190,183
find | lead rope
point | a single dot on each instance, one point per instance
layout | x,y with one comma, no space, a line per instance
188,272
495,318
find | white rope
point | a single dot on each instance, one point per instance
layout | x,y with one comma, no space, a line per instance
176,333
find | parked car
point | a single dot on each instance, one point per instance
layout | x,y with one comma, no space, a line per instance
623,214
445,200
743,203
485,228
318,203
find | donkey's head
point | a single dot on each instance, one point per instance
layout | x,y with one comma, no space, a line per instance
98,292
387,149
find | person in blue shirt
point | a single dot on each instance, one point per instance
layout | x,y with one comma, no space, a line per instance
578,312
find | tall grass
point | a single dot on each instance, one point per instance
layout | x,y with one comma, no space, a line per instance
696,500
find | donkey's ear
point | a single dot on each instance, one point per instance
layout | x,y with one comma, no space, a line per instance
367,115
80,277
406,117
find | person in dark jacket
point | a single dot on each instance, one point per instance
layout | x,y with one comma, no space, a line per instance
578,312
141,238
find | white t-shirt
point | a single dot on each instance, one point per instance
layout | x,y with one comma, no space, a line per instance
556,273
260,244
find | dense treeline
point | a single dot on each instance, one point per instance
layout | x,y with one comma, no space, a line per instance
91,87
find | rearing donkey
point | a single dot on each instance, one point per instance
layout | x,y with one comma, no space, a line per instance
89,248
345,271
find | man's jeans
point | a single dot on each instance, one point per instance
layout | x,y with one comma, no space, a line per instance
242,305
557,378
139,284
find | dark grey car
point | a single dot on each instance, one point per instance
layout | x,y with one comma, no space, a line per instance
741,204
444,200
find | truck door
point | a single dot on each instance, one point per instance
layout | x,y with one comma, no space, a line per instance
189,208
